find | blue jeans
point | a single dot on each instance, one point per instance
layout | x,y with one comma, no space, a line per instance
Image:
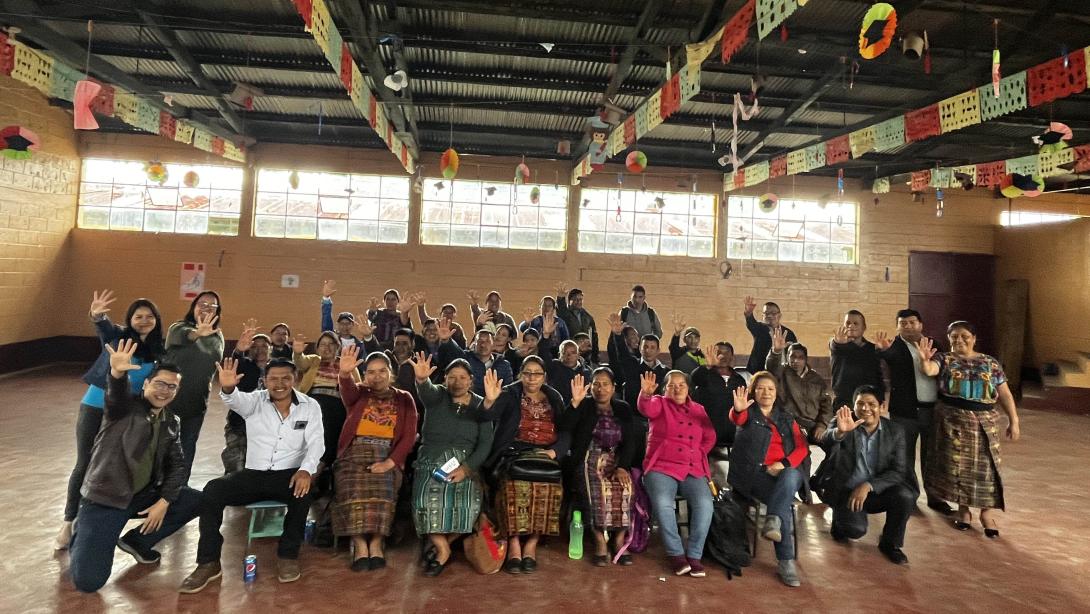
663,489
777,493
99,526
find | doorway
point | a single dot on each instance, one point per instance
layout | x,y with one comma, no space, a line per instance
946,286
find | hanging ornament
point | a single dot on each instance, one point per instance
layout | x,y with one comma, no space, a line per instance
767,203
156,172
636,162
17,143
448,164
876,33
84,95
740,109
522,173
191,179
940,202
618,216
926,54
293,180
996,71
660,203
535,195
1053,139
840,182
1014,185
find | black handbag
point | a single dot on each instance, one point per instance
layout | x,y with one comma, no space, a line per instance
527,466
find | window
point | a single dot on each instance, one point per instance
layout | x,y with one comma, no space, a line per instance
117,195
1025,218
332,206
645,222
486,214
792,231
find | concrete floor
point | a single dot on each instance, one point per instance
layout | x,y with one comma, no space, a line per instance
1026,570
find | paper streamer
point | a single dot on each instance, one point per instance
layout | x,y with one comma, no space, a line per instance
125,107
756,173
147,116
7,55
969,170
202,139
1051,80
1012,97
778,167
183,132
641,121
861,141
960,111
880,186
889,134
796,162
32,68
771,13
922,124
1048,162
940,178
921,180
63,84
653,110
305,9
630,129
989,174
690,81
740,178
168,125
320,21
815,156
671,97
333,47
837,150
736,31
1025,165
359,90
233,152
616,141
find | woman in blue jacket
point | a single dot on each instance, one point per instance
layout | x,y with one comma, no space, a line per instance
143,325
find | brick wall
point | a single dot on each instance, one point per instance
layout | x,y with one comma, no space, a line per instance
37,210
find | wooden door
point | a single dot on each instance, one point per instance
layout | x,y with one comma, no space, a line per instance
945,287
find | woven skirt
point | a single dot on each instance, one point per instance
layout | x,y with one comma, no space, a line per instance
528,507
364,502
444,507
965,466
607,491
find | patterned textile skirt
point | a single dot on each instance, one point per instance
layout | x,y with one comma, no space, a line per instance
444,507
528,507
965,469
234,449
363,502
606,490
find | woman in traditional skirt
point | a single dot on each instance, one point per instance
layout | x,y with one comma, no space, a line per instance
378,434
446,508
603,446
526,413
966,440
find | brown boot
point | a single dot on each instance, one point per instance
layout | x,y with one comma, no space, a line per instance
201,576
287,570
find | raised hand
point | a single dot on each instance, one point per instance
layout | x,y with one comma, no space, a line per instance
246,339
882,341
121,358
206,325
228,374
528,315
299,344
350,359
616,325
548,324
422,366
362,326
484,318
445,329
779,339
679,323
561,289
712,354
648,384
493,386
578,390
845,422
840,334
374,304
926,346
329,287
750,305
474,297
100,303
742,402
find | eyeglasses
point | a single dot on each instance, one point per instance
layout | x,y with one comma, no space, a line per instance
163,386
533,374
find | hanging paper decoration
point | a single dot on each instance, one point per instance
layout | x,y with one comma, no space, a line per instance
18,143
739,109
641,121
616,141
736,31
771,13
815,156
191,179
1052,163
861,141
922,124
168,125
33,68
7,55
996,73
990,174
293,180
1022,165
880,186
1014,185
837,150
598,151
630,129
1012,97
535,195
889,134
522,174
635,162
740,178
63,83
876,34
125,106
796,162
653,109
777,167
756,174
1081,163
960,111
671,97
305,9
104,102
156,172
82,117
1054,138
147,116
690,81
1055,79
234,152
940,177
218,145
448,164
920,181
183,132
346,67
768,202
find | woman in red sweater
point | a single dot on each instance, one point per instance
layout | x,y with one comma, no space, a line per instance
765,462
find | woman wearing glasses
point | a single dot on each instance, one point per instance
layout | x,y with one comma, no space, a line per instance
195,344
526,413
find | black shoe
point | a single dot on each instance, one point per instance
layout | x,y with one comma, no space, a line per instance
941,507
626,560
529,565
513,566
377,562
838,537
361,564
143,555
600,560
894,554
434,568
991,533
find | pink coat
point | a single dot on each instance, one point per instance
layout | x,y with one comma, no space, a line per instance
680,437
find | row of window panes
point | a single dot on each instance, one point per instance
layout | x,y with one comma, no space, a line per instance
1027,218
647,222
498,215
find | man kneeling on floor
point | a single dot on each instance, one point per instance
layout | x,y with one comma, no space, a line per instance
868,474
137,469
284,444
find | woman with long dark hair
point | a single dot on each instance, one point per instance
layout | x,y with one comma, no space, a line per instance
143,324
195,344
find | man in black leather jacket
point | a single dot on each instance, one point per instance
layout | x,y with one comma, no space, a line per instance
137,469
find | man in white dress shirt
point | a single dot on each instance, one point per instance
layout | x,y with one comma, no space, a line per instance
285,443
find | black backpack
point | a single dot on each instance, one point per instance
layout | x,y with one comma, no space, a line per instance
727,543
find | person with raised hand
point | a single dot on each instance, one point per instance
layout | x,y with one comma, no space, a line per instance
545,318
136,470
448,311
563,370
389,317
569,306
866,474
603,445
378,434
713,387
493,310
853,360
762,331
688,357
768,463
195,343
803,391
479,355
142,324
280,337
447,504
252,353
285,442
966,467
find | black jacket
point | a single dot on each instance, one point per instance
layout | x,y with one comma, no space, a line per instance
716,395
902,379
579,321
630,367
852,366
123,439
747,455
506,412
762,342
892,461
580,422
560,376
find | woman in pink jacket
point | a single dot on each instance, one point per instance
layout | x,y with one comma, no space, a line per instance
681,435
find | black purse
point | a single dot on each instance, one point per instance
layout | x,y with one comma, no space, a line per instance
526,466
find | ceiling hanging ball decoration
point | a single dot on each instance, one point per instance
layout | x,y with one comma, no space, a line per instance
191,179
636,162
156,172
535,195
522,174
293,180
876,33
767,203
448,164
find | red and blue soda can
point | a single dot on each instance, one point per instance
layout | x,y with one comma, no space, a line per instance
249,568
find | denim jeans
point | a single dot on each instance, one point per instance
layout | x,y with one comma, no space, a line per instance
778,493
662,490
98,527
88,423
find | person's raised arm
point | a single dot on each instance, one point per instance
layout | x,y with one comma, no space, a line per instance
928,365
754,327
108,332
346,384
648,403
119,401
739,411
242,403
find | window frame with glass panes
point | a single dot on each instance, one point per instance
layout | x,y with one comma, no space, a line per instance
493,214
647,222
794,230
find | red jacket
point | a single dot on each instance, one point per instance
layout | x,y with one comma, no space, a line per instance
355,398
680,437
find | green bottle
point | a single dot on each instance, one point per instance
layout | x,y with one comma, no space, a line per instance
575,535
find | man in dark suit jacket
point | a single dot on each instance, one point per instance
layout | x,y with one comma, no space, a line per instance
762,332
866,474
911,397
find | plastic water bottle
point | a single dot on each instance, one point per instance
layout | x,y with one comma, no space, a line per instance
575,534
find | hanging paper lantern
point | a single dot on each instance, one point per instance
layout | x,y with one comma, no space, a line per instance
535,195
767,203
448,164
876,34
522,174
293,180
636,162
156,172
1014,185
191,179
17,142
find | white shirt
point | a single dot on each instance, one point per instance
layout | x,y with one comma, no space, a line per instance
274,443
927,387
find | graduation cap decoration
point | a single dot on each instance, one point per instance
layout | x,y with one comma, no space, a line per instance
876,33
17,142
1014,185
1053,139
965,180
767,203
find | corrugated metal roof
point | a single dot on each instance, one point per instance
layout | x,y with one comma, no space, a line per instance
525,28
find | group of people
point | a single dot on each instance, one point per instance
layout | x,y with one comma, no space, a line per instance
522,424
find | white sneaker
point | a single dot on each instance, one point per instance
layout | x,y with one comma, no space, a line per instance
64,538
771,530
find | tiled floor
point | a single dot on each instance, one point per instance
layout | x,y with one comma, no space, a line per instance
1039,564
